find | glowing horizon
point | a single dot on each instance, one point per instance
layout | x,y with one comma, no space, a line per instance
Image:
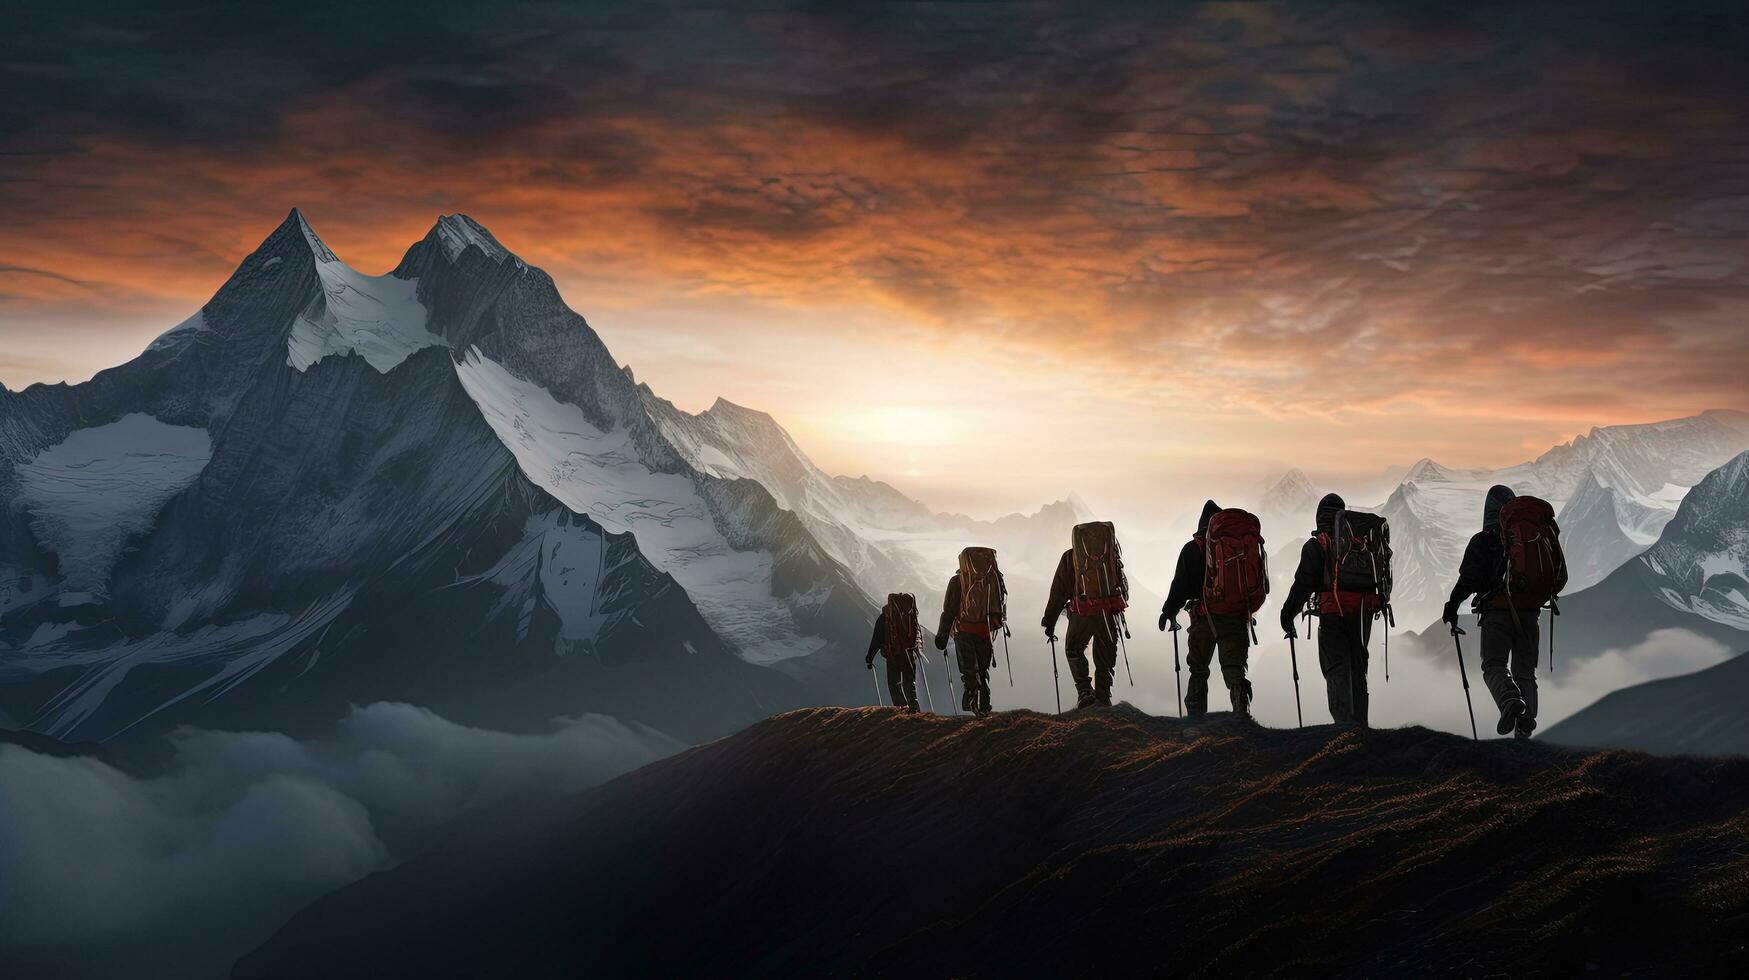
990,256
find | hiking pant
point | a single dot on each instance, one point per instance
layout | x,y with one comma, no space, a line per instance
1101,631
975,652
1509,642
1342,656
902,681
1207,632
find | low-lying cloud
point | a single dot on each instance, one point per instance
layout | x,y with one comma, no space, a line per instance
87,850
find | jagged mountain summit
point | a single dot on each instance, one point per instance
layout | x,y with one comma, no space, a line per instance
433,485
1103,842
1694,580
1614,489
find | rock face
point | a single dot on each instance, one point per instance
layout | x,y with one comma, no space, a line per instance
433,485
1103,842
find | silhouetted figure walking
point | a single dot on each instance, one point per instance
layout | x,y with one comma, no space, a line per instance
1346,605
972,610
1091,585
1508,617
1211,629
897,638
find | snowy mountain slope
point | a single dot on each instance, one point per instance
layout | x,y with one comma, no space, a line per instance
1694,582
90,492
1613,490
890,542
1701,561
362,531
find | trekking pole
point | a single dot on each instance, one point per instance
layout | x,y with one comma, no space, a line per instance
923,668
1118,636
1294,658
1009,657
1389,618
1177,670
1554,610
1056,682
953,706
874,675
1458,644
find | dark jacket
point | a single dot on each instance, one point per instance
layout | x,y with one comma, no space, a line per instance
1309,575
1192,563
879,637
1062,589
1484,557
950,606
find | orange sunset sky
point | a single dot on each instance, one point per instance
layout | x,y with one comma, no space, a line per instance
991,253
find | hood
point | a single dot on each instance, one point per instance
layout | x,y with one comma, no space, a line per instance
1497,496
1328,508
1209,510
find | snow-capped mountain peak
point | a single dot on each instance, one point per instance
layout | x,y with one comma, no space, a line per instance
1426,470
1701,561
458,232
379,318
1292,496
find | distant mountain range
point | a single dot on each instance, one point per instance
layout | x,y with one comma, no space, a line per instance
434,485
1694,579
1614,489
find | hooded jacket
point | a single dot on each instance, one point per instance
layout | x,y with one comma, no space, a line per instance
1192,563
1484,557
1309,576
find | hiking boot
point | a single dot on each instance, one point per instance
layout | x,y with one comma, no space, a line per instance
1509,714
1086,700
1194,712
912,708
1524,727
1103,699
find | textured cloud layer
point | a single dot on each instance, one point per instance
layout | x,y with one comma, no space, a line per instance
1532,215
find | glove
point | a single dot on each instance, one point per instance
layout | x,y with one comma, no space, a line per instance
1287,622
941,642
869,663
1451,613
1050,635
1164,619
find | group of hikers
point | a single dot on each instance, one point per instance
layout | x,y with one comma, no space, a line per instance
1511,569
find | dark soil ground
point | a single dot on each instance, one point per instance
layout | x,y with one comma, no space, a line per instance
859,842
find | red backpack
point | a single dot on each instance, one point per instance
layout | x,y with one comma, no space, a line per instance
902,640
1235,576
1535,568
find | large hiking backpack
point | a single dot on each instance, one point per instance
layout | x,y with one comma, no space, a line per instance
1235,577
1535,568
983,593
902,640
1100,587
1357,564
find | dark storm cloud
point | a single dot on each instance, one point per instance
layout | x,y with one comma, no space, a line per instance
1282,183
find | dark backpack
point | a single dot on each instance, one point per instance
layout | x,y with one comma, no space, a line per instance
1535,569
983,593
902,640
1235,575
1100,587
1357,563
